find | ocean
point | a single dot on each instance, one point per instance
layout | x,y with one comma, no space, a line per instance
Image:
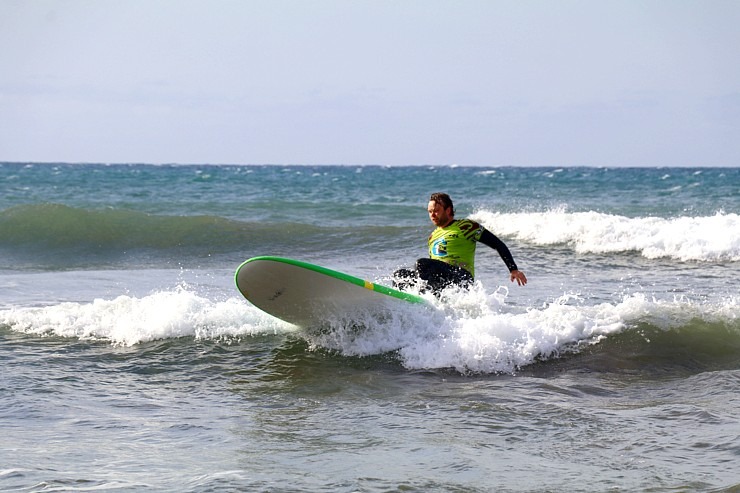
130,362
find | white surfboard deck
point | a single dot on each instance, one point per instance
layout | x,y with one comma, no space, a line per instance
308,295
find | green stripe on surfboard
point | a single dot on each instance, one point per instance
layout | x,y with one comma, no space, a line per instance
379,288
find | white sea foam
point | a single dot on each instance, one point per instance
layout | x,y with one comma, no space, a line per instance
706,238
128,320
495,338
470,331
478,332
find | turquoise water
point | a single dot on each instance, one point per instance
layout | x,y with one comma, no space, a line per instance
132,363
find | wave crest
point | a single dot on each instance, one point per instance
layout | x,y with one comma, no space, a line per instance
705,239
473,333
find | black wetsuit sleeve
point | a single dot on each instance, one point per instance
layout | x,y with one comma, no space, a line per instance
491,240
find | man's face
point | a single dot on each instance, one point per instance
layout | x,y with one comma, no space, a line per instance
438,214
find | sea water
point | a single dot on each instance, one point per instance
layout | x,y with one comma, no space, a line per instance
130,362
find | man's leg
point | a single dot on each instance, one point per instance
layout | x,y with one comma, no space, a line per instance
440,275
405,278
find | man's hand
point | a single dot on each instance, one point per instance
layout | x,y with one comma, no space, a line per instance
519,277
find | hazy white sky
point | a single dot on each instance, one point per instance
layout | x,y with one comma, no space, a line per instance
603,83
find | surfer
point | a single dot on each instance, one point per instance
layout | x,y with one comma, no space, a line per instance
452,251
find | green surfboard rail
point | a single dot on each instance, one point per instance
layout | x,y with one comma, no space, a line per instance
379,288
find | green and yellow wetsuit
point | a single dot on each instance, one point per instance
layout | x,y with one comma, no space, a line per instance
455,244
452,257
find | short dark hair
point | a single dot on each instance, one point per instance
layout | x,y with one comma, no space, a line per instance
442,199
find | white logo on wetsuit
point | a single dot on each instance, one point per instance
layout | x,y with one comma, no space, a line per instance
439,248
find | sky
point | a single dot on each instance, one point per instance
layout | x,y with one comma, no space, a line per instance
402,82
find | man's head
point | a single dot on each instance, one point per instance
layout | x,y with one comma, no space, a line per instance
440,209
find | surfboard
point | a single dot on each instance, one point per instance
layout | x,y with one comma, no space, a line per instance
307,295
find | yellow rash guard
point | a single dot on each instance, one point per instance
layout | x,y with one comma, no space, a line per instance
455,244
